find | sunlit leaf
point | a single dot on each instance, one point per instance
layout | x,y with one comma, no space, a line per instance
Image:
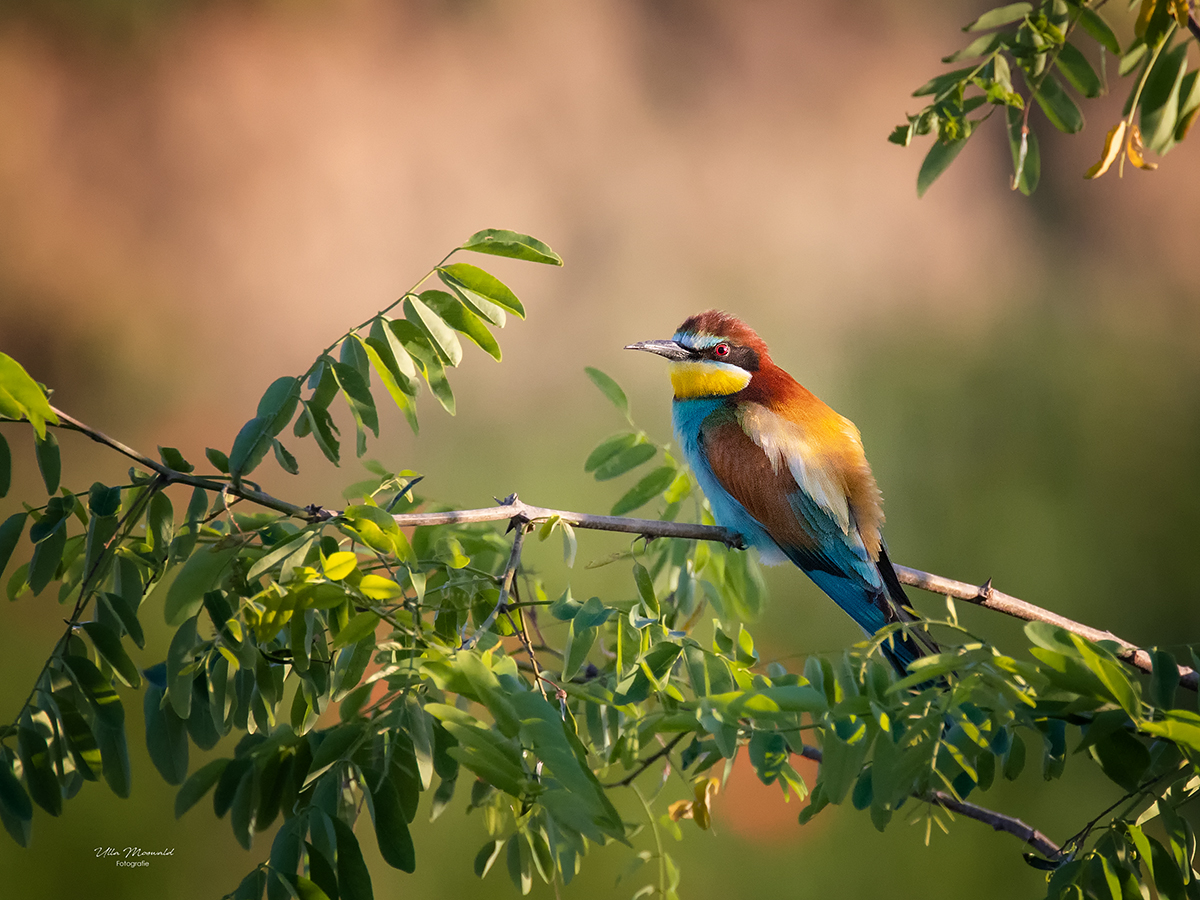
1001,15
513,244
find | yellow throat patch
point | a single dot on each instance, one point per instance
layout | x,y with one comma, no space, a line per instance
707,379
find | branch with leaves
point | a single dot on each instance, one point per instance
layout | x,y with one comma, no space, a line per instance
1034,40
370,654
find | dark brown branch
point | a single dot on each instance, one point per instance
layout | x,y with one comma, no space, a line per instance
999,822
170,476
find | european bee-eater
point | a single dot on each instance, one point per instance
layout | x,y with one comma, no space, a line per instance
783,470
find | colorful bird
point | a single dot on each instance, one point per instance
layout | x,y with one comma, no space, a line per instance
783,470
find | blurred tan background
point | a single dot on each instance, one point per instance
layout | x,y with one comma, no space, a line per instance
194,202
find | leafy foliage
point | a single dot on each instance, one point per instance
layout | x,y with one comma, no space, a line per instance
362,661
1034,42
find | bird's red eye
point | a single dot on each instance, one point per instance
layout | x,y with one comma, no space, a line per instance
721,351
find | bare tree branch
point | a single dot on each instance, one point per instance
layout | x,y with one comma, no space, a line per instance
986,596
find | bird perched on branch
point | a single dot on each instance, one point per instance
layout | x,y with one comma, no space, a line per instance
784,470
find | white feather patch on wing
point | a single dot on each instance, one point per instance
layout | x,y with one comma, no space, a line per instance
784,441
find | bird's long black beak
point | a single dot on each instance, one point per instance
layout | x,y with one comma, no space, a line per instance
669,349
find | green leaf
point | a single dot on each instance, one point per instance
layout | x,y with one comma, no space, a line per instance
5,467
1094,25
127,616
39,771
1123,757
645,490
48,459
1058,107
1078,71
610,389
391,828
322,870
47,555
607,449
418,345
173,459
440,335
241,810
160,521
98,690
1027,168
12,795
580,639
219,460
376,587
10,536
937,160
22,398
199,574
981,46
115,755
1159,107
486,857
81,741
941,85
646,588
378,530
315,420
354,880
399,386
281,552
286,461
1001,15
166,737
519,863
108,644
285,855
199,784
581,803
275,410
334,745
624,461
251,887
513,244
462,319
474,285
1164,679
842,762
363,624
180,675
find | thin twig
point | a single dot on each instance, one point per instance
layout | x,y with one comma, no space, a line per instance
506,582
649,761
513,508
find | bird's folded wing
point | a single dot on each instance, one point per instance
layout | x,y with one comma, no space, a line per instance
796,513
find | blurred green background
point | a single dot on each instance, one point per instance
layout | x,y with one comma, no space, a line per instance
195,202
